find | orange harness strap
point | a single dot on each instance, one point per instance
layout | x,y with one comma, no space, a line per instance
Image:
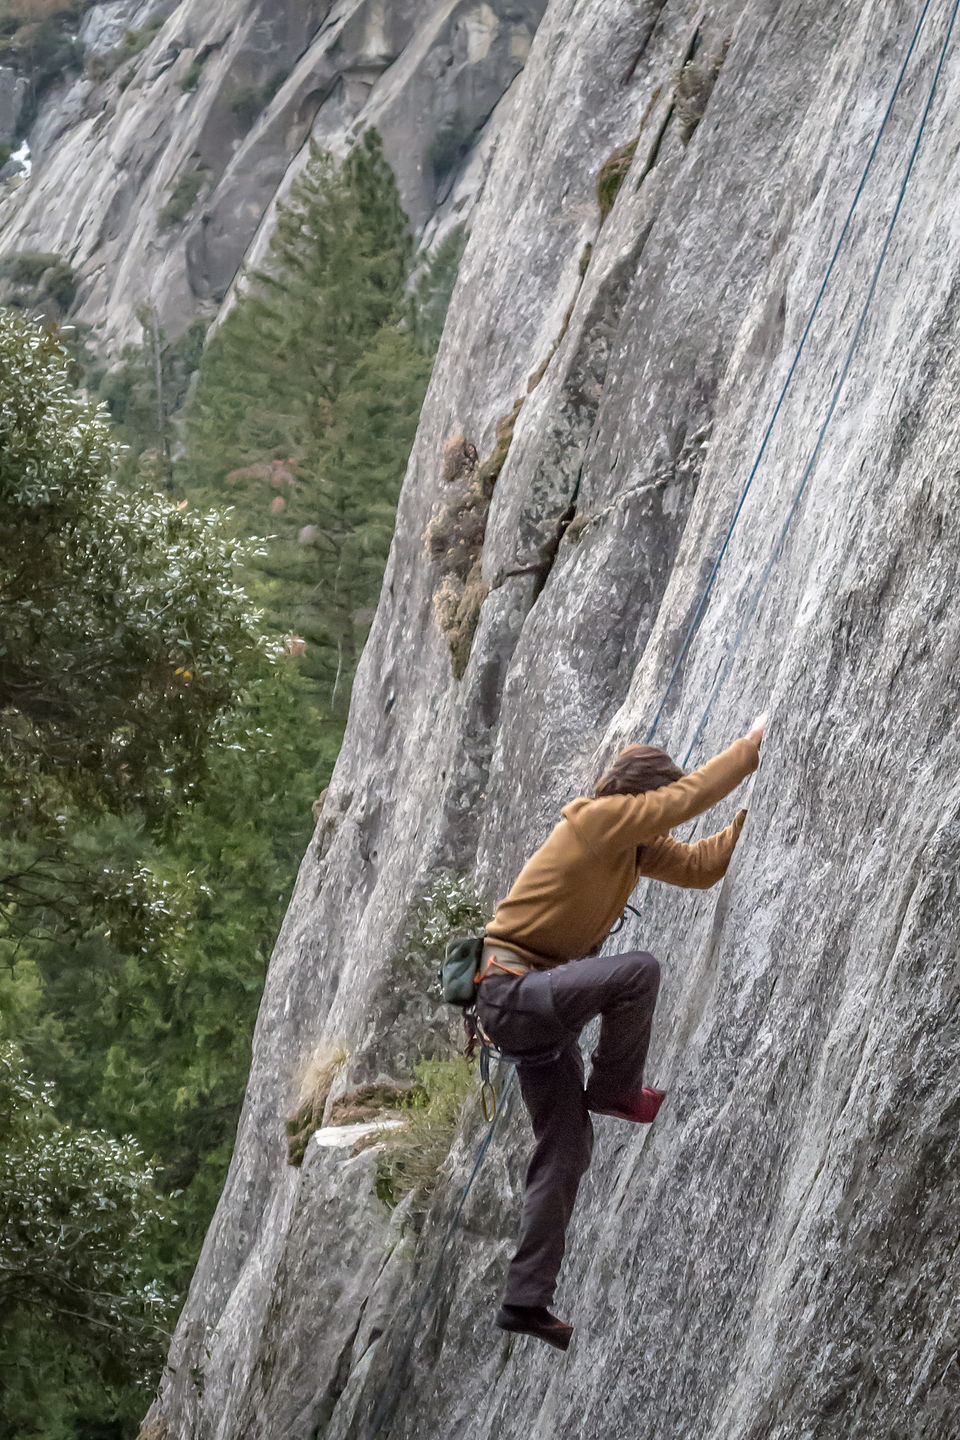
494,962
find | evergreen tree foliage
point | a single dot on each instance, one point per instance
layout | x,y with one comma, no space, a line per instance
79,1307
155,1041
307,405
433,288
129,658
146,390
163,756
123,632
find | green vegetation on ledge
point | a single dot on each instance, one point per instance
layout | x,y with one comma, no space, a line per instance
412,1156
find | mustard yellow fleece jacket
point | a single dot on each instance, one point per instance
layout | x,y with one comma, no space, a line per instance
572,891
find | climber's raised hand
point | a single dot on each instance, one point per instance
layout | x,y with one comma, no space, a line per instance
755,733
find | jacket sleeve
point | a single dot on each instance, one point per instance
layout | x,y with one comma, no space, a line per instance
695,867
618,822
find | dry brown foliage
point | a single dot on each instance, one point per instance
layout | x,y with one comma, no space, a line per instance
375,1101
315,1085
454,537
692,89
459,458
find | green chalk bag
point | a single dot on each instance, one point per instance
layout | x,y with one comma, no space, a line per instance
461,965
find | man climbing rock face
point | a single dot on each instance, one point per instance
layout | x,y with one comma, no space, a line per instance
535,996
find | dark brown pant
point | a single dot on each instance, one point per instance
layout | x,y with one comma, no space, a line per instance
536,1020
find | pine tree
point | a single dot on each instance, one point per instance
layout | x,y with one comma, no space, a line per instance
307,406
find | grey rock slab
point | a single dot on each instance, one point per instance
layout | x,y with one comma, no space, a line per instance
13,90
777,1256
109,154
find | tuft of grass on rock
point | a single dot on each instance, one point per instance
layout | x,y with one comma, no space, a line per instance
183,192
489,472
411,1157
250,101
101,67
316,1083
457,609
191,76
378,1100
459,459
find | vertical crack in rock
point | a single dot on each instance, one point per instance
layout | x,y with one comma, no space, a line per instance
315,1420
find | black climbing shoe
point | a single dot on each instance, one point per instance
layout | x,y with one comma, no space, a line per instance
534,1320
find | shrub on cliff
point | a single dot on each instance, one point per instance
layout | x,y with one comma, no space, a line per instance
35,280
123,632
154,810
412,1156
183,193
101,67
77,1210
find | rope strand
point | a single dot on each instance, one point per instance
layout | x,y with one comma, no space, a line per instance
708,588
811,463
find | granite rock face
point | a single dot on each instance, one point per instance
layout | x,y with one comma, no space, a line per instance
156,169
776,1257
13,88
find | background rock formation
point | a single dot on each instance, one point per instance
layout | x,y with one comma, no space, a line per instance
154,170
776,1257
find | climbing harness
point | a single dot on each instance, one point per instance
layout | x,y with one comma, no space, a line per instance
489,1049
623,918
380,1411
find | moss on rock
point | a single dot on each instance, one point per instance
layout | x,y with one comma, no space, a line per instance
612,174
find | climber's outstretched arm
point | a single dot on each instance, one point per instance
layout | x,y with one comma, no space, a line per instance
695,867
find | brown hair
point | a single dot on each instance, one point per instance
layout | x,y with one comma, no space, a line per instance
638,768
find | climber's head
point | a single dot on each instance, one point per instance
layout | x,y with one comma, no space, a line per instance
638,768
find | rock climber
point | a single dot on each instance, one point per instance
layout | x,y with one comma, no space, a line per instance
535,995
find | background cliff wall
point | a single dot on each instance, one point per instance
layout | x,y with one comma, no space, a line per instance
155,168
776,1257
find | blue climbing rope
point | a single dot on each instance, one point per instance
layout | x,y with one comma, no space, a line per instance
841,381
380,1412
708,588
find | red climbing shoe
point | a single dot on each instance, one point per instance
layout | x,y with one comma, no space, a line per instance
642,1108
534,1320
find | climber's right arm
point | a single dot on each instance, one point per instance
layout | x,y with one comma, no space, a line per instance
620,821
695,866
